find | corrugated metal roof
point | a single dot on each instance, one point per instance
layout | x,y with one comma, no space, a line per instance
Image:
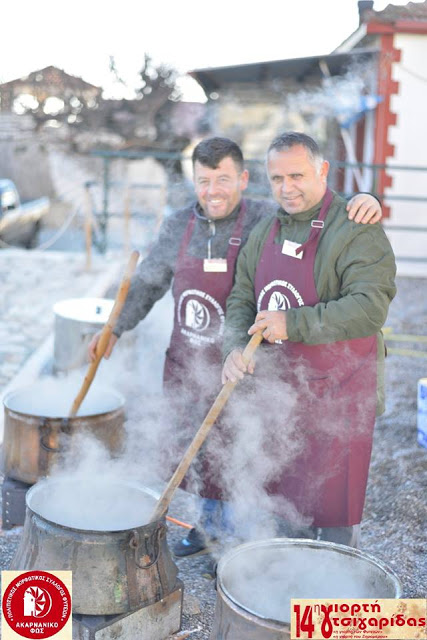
215,78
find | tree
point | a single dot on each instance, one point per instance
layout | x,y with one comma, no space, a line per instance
158,82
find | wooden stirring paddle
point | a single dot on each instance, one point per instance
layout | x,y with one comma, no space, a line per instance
200,437
107,330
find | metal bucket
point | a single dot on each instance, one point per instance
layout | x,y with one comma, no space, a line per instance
256,581
36,429
76,322
114,571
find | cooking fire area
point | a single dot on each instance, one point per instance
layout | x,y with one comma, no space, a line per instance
91,483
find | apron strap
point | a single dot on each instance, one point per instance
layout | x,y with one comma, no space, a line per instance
318,224
235,240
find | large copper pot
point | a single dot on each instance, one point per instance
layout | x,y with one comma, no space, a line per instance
115,570
37,430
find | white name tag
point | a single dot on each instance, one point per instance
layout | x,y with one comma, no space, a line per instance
215,265
289,249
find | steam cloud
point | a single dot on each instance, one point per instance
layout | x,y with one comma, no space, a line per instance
246,449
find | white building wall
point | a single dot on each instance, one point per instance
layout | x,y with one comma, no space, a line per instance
409,136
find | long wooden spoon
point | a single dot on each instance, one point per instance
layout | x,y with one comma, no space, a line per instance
106,332
200,437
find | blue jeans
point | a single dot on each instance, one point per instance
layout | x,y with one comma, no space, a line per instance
216,518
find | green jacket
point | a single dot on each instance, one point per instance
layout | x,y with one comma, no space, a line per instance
354,273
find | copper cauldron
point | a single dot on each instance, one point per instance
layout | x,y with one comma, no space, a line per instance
98,530
37,429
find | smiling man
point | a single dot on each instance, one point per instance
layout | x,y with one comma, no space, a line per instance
318,287
219,189
196,253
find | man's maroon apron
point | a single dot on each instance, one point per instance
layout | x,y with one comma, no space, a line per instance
336,398
192,371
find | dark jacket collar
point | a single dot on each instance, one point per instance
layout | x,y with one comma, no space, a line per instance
310,214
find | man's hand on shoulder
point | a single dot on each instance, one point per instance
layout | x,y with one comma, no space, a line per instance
364,208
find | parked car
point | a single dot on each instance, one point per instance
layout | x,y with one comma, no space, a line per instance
19,221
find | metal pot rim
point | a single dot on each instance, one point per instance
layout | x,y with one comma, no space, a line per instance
302,543
96,532
69,309
30,387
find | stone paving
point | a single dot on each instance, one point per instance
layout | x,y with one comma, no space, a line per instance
31,283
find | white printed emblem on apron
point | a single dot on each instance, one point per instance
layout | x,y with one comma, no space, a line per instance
278,302
197,315
200,317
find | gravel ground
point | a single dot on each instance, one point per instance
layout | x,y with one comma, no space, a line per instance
395,518
394,526
394,523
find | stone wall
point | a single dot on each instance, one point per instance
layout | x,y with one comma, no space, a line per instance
24,157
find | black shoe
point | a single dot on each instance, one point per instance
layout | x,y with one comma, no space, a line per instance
195,542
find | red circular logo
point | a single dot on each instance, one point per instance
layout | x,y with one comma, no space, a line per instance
36,604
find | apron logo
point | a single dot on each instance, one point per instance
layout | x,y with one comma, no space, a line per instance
200,317
197,316
278,301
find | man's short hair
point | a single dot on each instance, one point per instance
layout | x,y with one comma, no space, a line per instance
294,138
211,151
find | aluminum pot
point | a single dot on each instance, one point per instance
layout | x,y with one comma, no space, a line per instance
76,322
37,431
256,581
115,570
